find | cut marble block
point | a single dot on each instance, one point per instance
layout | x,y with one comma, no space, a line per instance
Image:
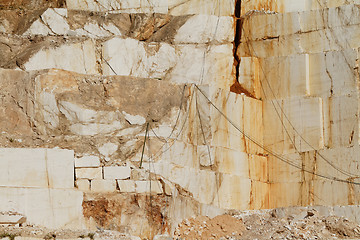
77,57
330,193
232,162
301,125
282,172
180,153
83,184
89,173
243,116
333,73
253,125
117,172
284,6
341,120
341,162
260,195
87,161
234,193
46,168
263,26
249,76
103,185
154,187
51,208
259,168
126,185
289,194
284,77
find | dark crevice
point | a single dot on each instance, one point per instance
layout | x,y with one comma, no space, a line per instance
238,31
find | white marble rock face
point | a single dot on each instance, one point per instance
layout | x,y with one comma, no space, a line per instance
179,64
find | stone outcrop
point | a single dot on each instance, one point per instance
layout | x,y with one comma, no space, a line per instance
216,105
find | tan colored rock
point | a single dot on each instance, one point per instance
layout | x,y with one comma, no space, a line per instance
117,172
103,185
154,187
258,168
41,168
87,161
83,184
126,185
249,76
77,57
233,193
51,208
282,172
14,113
89,173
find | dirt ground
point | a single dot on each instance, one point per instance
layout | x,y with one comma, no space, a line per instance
270,225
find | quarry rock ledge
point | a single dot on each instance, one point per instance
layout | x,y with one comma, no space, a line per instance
104,132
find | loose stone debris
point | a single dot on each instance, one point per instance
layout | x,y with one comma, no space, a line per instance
269,224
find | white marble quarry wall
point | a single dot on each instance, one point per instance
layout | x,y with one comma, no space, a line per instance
212,152
317,31
38,183
173,7
303,65
97,72
284,6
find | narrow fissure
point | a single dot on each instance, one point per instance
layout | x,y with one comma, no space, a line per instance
238,22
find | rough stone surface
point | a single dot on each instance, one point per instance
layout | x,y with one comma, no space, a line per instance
116,172
103,185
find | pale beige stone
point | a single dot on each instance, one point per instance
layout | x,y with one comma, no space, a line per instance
206,28
47,168
258,168
53,22
289,194
340,120
233,193
232,162
260,195
103,185
249,75
12,219
117,172
108,149
51,208
332,73
206,155
253,125
180,63
280,171
126,185
77,57
285,77
208,7
89,173
154,187
169,188
205,193
125,6
303,120
26,238
339,162
330,192
83,185
87,161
